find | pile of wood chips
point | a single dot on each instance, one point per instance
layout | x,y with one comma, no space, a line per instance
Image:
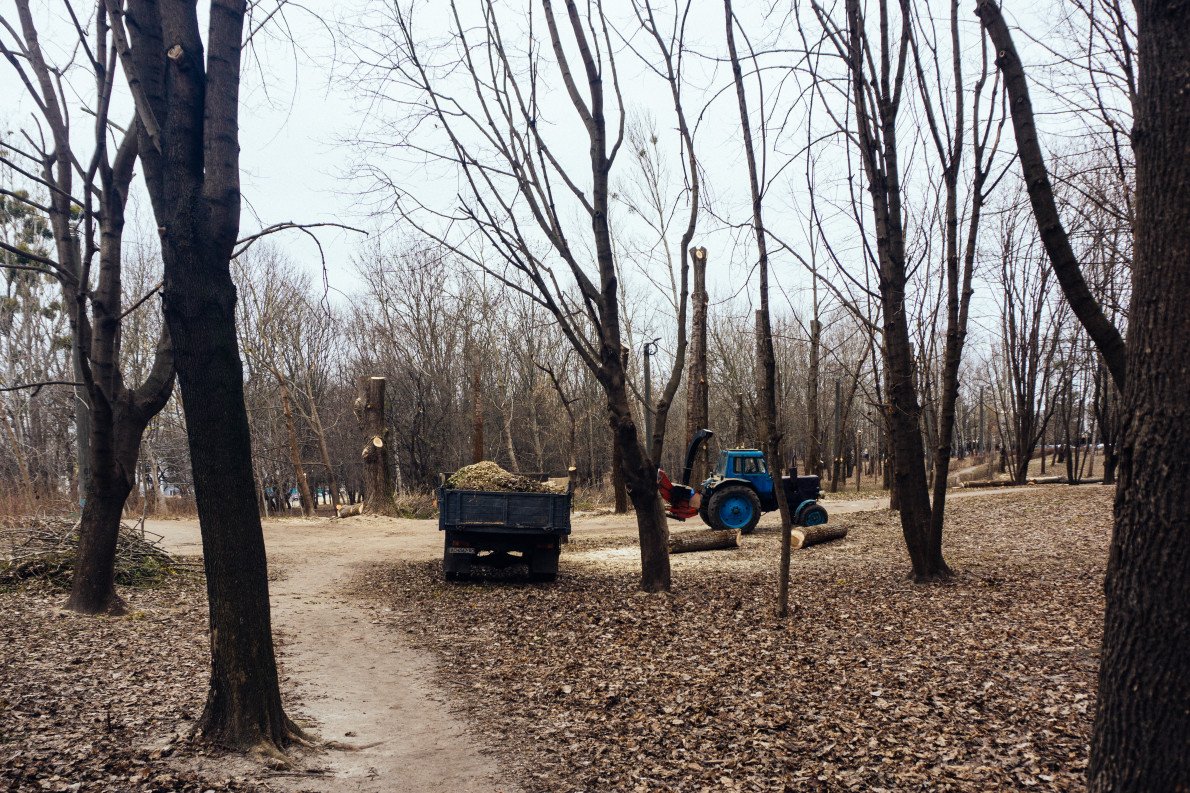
489,476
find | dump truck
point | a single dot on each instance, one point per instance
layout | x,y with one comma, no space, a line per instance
500,529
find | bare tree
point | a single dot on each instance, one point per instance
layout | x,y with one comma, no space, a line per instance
85,210
1142,727
186,90
513,218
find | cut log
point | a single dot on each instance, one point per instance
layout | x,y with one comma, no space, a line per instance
351,509
992,483
812,535
703,540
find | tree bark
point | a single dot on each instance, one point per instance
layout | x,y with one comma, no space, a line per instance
697,395
295,451
187,103
1141,739
702,540
369,407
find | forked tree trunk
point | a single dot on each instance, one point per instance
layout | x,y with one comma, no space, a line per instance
877,131
190,152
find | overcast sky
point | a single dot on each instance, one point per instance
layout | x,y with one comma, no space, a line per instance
301,110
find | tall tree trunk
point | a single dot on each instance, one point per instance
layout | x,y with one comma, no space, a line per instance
369,409
697,396
323,449
295,451
877,131
766,361
243,707
476,412
815,432
189,144
1141,739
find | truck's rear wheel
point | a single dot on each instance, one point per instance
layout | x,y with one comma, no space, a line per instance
734,508
543,565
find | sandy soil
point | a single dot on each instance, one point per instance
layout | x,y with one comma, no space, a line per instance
355,681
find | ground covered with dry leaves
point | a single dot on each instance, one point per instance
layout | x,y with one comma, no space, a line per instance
101,704
985,683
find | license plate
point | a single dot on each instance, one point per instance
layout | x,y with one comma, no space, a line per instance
461,550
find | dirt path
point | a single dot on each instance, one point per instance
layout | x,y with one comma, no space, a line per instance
364,685
356,683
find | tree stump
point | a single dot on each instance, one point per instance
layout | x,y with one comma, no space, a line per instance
703,540
812,535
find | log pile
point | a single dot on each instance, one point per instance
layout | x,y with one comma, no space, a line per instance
806,536
703,540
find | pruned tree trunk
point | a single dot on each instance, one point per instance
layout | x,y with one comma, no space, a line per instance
697,394
815,431
476,411
369,409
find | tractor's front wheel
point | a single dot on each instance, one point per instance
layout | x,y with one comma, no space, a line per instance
734,508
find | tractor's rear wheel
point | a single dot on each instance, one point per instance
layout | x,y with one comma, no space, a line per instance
734,508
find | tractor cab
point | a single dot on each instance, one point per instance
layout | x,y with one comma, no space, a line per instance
747,465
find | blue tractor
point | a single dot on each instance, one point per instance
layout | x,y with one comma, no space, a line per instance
739,490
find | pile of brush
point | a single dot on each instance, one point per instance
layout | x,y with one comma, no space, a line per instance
46,548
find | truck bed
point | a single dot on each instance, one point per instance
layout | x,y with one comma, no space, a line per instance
485,511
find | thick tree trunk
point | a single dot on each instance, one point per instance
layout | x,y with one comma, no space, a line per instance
243,707
697,395
640,480
369,407
1141,739
112,460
